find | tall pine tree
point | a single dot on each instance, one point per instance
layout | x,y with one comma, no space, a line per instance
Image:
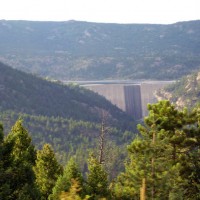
4,185
97,179
47,171
63,183
19,154
159,155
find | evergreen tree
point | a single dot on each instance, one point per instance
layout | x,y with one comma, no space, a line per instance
19,159
4,186
190,157
97,179
1,137
159,155
47,171
73,193
5,168
63,183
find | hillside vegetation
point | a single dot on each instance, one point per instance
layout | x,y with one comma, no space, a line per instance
74,50
67,136
184,93
65,142
163,162
21,92
66,116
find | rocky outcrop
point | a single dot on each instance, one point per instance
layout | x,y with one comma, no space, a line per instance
184,93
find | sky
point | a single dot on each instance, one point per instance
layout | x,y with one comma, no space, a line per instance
107,11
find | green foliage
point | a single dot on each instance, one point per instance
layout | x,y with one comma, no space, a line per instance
97,179
4,186
1,134
19,159
73,193
69,137
25,93
163,155
21,141
47,170
185,92
64,181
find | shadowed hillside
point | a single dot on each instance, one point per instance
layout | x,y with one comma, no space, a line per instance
21,92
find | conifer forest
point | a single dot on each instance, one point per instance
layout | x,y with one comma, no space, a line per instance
162,162
61,139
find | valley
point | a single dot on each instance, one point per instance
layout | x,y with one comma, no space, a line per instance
99,111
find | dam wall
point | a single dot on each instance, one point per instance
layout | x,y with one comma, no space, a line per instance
131,98
132,94
112,92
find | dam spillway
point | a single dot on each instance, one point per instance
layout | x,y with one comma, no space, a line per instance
132,98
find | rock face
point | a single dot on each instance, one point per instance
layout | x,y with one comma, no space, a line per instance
184,93
131,98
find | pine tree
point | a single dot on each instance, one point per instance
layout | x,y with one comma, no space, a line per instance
19,159
1,137
97,179
190,157
73,193
5,168
63,183
159,154
47,171
4,186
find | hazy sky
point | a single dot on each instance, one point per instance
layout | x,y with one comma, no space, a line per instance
117,11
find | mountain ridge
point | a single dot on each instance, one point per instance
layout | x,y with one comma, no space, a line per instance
77,50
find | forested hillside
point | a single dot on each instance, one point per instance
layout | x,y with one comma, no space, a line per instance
74,50
163,162
66,116
183,93
67,136
21,92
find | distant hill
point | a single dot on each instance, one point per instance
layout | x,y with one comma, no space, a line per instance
184,93
74,50
25,93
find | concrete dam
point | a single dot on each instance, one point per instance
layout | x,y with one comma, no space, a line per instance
129,97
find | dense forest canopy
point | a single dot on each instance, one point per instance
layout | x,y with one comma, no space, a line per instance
163,162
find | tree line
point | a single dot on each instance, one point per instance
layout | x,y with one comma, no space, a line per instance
163,162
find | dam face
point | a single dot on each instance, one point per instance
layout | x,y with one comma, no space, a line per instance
130,97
